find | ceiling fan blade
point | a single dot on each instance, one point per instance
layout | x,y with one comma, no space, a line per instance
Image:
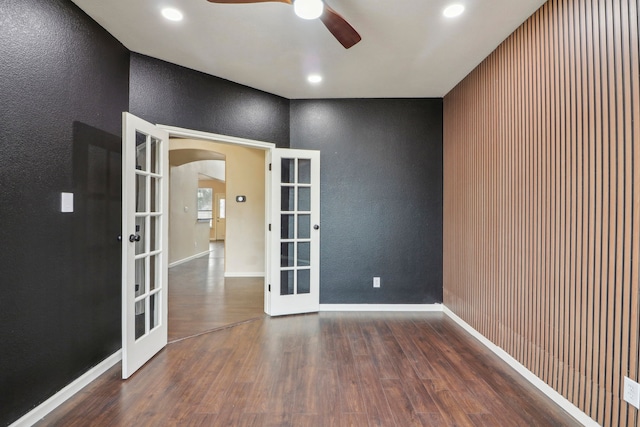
339,27
250,1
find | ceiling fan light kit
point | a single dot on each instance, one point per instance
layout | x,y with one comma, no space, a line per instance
308,9
336,24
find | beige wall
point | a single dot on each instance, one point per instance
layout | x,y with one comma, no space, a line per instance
245,175
187,236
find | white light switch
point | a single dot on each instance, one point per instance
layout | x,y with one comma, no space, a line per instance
66,202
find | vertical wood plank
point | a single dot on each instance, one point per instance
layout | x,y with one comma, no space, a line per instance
634,20
542,225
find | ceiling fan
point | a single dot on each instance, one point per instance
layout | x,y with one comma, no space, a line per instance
310,9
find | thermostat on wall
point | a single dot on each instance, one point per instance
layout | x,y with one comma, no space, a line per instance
241,199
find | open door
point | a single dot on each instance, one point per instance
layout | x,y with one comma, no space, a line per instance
221,216
144,241
294,273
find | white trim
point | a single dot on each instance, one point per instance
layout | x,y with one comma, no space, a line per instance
196,134
40,411
187,259
552,394
382,307
249,274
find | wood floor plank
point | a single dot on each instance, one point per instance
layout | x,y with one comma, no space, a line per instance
351,391
401,406
484,420
213,400
375,402
353,420
283,388
267,373
378,355
232,415
433,420
351,329
502,411
450,409
412,386
447,378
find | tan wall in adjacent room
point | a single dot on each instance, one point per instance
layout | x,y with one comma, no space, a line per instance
542,200
245,224
187,236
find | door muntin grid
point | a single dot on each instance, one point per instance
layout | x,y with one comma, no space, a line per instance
148,235
295,226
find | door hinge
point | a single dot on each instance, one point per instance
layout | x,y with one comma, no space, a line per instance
269,227
269,166
269,288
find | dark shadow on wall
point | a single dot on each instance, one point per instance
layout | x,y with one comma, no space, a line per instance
97,175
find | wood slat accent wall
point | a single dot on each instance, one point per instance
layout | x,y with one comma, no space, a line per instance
542,200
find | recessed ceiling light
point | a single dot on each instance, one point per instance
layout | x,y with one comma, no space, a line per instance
172,14
314,78
453,10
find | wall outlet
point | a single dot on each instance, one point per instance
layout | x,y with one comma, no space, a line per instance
632,392
376,282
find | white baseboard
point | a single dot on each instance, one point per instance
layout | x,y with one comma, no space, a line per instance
552,394
250,274
63,395
192,257
381,307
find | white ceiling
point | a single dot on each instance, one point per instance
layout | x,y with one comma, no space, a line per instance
408,49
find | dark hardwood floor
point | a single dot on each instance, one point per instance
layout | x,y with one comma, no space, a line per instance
327,369
201,299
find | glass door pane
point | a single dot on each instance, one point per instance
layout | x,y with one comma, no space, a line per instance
295,232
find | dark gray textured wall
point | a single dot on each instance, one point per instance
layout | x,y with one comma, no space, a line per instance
381,196
173,95
63,87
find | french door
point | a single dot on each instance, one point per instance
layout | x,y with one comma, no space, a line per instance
144,241
295,233
293,244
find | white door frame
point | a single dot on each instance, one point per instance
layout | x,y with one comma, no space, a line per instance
178,132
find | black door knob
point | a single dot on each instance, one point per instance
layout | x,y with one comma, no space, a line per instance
134,238
316,227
